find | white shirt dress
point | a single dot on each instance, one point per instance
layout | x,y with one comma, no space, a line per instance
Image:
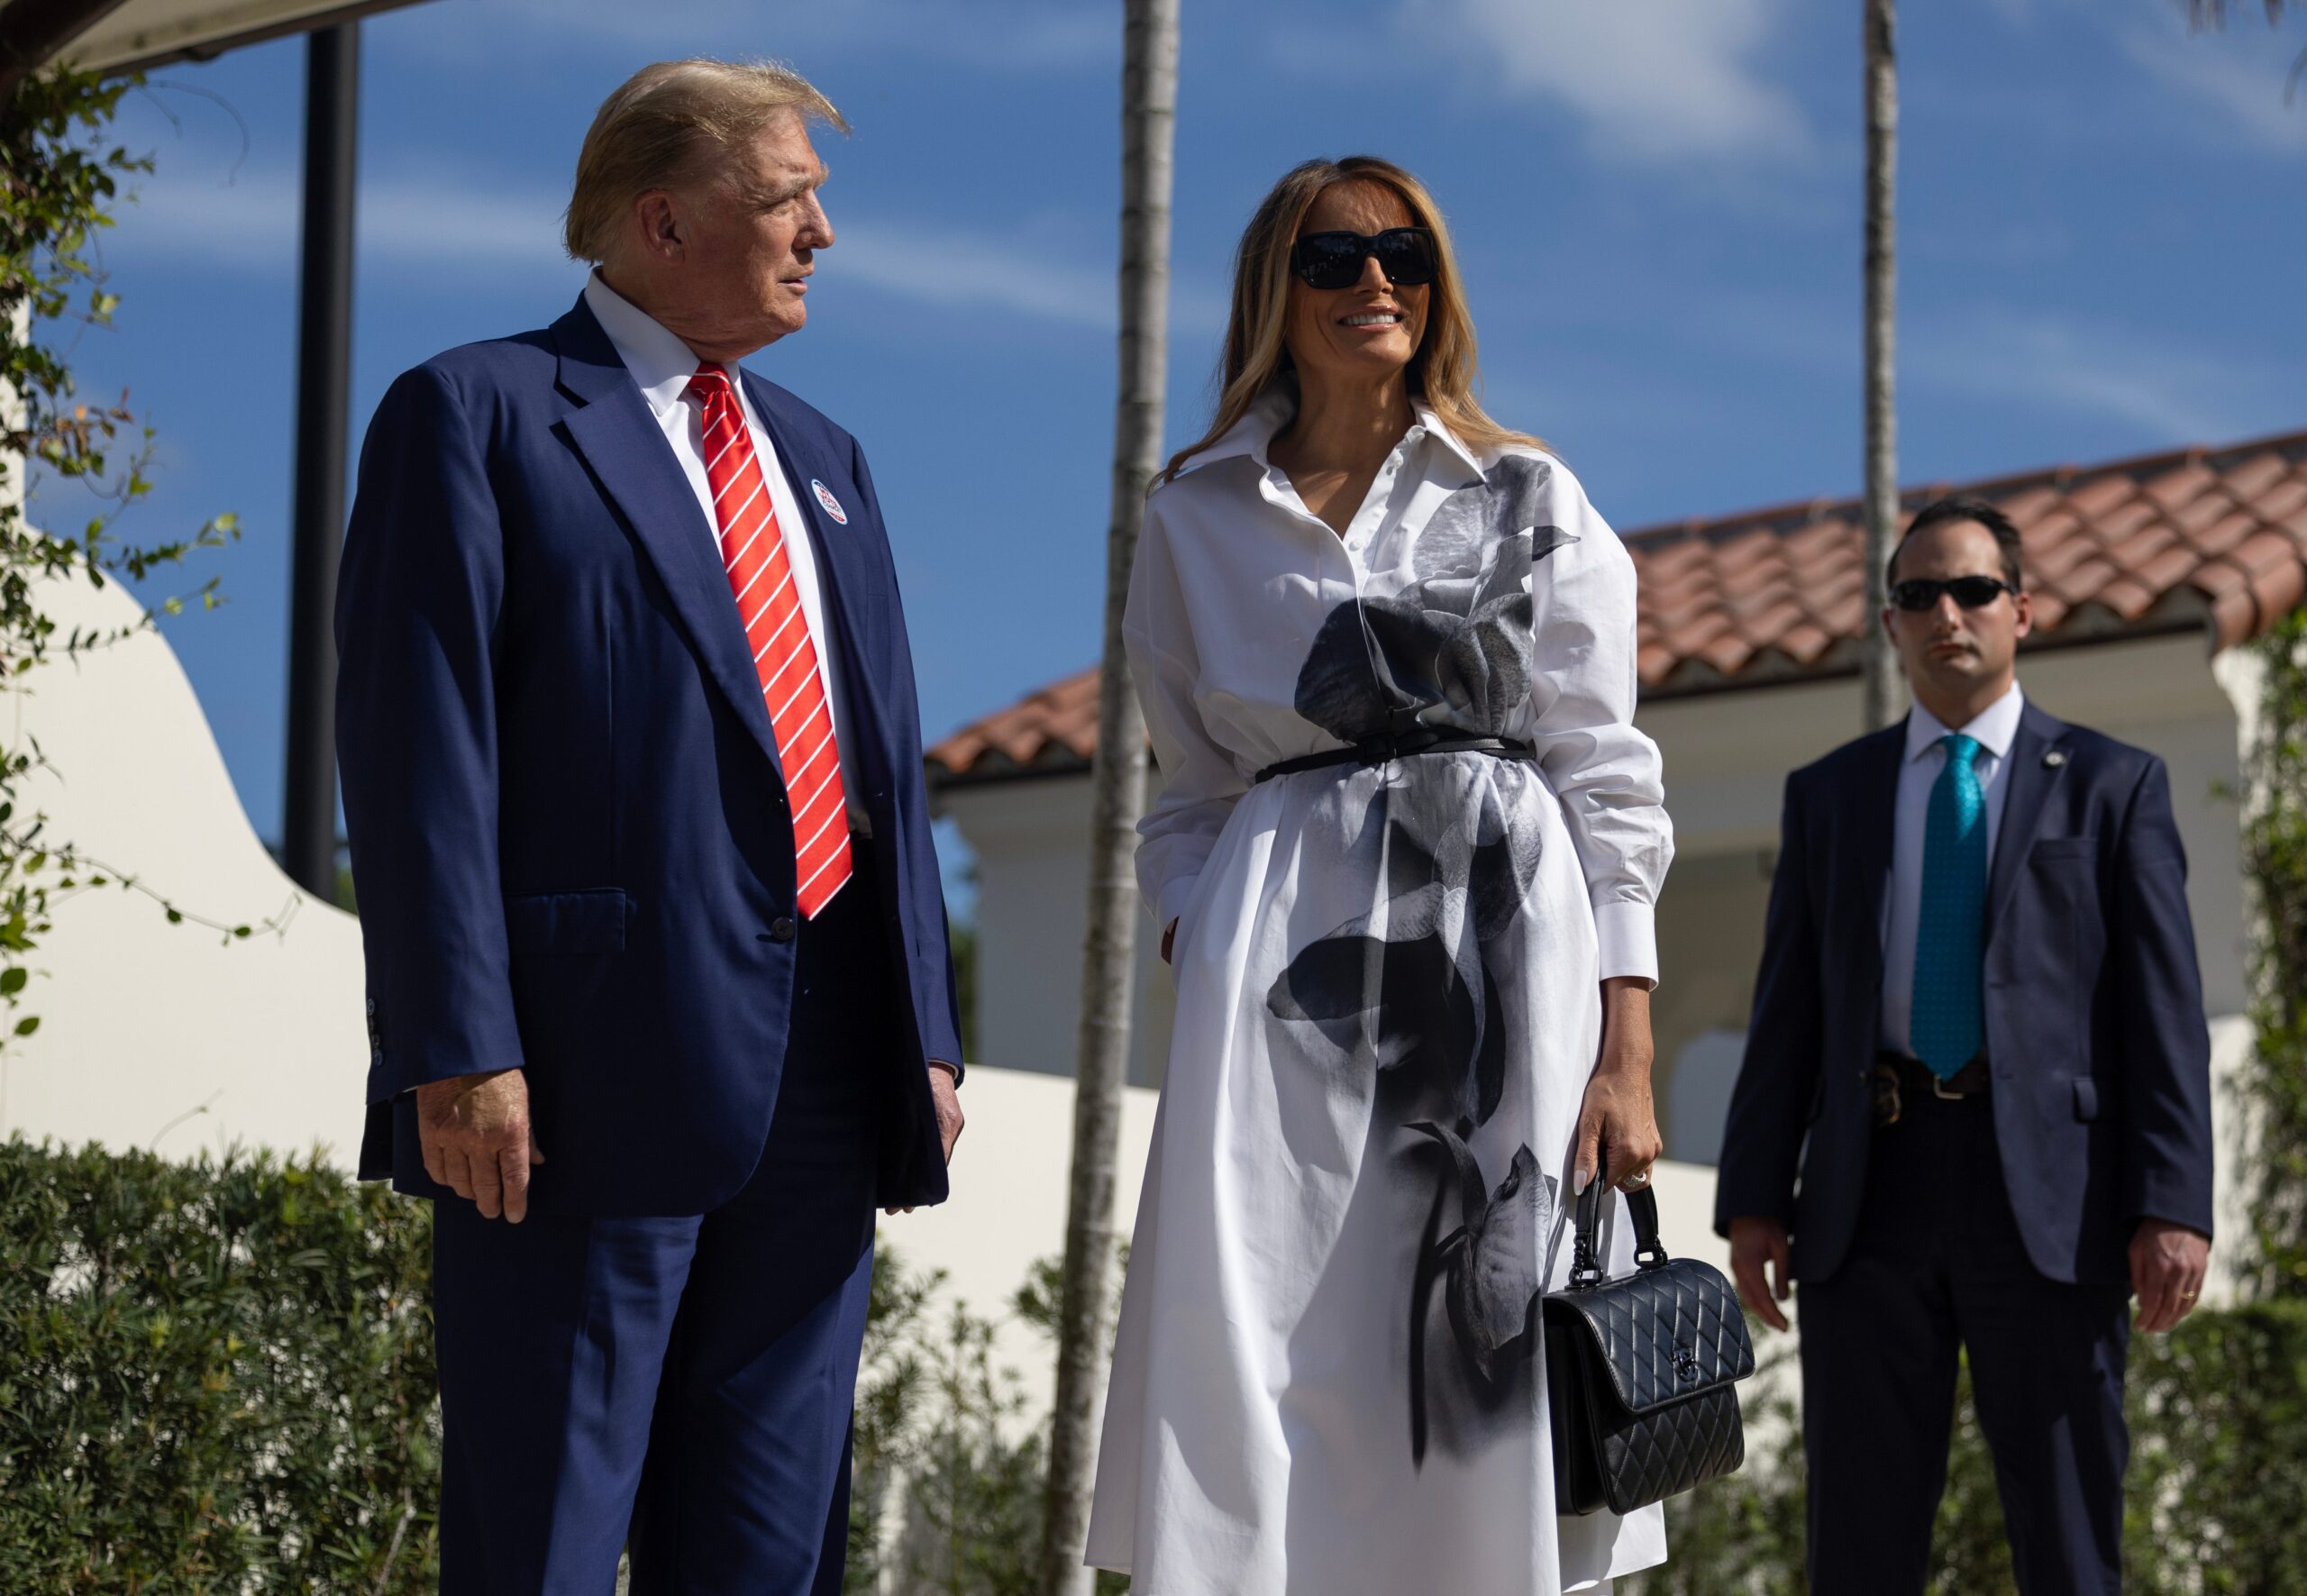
1327,1377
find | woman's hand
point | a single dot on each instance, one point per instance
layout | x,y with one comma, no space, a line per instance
1618,1114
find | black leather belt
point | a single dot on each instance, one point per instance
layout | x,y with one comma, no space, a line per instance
1377,751
1899,1081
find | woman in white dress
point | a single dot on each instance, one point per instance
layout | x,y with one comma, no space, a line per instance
1413,961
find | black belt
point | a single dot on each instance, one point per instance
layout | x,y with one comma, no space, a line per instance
1377,751
1899,1081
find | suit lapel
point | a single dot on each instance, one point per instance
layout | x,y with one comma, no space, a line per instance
1877,808
848,577
2029,782
619,437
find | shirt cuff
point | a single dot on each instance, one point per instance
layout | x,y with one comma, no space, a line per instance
1626,933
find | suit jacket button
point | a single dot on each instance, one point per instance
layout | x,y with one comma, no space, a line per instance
781,930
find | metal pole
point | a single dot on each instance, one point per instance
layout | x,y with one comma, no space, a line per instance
324,425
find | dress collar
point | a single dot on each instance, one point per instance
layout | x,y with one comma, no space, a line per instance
1271,411
1992,729
659,361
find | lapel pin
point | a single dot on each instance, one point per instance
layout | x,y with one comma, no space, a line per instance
832,505
2054,758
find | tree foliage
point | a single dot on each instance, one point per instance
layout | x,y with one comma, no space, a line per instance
59,177
2218,1413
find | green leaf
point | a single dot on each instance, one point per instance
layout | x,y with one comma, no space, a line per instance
28,1025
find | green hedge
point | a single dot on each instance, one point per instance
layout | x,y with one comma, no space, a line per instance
218,1376
215,1376
2214,1498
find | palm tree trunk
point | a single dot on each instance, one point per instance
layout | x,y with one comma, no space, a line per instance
1885,689
1108,953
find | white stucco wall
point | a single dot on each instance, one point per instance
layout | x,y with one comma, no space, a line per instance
157,1036
1031,837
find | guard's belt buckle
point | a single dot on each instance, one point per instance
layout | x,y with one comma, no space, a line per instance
1890,1101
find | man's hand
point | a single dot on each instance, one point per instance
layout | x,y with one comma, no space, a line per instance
949,1107
949,1115
477,1140
1754,1242
2168,1264
1618,1117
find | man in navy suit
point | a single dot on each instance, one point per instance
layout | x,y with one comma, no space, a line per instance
661,1002
1978,1041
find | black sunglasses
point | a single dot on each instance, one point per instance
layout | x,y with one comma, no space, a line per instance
1921,593
1334,259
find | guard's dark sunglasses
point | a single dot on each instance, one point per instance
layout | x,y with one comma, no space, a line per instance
1921,593
1334,259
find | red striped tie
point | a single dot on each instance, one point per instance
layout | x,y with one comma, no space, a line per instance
760,575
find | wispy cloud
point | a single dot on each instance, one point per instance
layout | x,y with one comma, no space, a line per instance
2018,358
1660,81
2171,392
251,223
407,227
1019,36
2237,78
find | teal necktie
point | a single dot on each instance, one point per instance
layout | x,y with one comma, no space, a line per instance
1948,1023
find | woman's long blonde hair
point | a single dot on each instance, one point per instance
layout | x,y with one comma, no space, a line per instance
1442,372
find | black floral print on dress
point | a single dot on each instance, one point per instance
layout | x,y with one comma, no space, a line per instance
1406,990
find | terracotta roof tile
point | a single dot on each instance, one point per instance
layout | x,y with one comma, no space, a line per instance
2285,499
2249,478
2223,534
2208,537
2173,489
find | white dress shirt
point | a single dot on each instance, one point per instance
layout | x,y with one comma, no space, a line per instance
663,365
1994,729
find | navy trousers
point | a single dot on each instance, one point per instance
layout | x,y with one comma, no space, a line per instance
1937,1265
684,1384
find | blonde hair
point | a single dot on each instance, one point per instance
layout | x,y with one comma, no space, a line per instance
1442,372
651,132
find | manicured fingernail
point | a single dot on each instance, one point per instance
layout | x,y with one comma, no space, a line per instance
1578,1186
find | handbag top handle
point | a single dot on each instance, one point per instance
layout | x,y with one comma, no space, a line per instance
1649,1252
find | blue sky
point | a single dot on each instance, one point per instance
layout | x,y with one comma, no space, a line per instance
1656,201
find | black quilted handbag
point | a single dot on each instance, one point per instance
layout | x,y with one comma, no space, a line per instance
1641,1371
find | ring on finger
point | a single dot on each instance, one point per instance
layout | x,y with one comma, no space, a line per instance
1635,1182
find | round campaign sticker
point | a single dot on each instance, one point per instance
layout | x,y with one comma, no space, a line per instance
832,505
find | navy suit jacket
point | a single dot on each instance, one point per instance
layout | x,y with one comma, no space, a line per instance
2094,1022
569,833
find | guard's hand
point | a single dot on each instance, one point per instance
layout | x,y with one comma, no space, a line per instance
1618,1114
1754,1242
2167,1265
478,1142
948,1103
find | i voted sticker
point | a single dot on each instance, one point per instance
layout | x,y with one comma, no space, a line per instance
832,505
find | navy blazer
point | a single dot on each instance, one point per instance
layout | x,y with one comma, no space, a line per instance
2094,1023
569,833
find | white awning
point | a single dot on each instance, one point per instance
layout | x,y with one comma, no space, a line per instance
151,32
